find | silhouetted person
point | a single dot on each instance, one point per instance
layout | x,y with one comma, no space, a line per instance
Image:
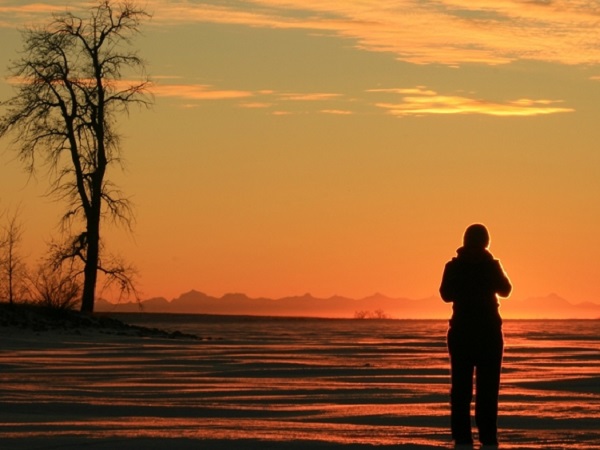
471,281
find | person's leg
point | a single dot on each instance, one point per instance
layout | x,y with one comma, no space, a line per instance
487,388
461,392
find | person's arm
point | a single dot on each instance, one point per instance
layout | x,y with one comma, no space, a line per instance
448,286
503,286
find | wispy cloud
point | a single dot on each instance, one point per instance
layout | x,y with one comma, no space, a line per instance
255,105
309,97
450,32
337,112
413,101
12,15
31,9
197,92
260,99
421,101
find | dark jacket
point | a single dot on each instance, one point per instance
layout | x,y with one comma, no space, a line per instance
471,282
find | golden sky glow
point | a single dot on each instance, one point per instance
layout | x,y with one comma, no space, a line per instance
341,147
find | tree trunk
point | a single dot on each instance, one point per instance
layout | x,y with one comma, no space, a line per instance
90,270
11,268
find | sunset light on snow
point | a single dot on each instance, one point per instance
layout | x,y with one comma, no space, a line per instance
342,147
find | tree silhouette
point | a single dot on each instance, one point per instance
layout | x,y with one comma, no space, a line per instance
71,87
12,265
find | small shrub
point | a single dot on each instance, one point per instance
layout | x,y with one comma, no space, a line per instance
56,288
377,314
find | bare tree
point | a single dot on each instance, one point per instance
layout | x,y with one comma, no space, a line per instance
12,265
71,86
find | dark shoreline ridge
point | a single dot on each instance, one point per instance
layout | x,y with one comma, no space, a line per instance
39,319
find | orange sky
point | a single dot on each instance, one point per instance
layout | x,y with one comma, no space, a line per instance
339,147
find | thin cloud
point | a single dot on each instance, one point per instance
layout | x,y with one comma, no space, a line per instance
255,105
416,101
197,92
309,97
31,9
419,90
264,98
260,99
337,112
18,15
420,101
450,32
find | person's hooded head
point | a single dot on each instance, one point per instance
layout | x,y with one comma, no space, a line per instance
476,237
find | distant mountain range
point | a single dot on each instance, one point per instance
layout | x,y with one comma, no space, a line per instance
377,305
